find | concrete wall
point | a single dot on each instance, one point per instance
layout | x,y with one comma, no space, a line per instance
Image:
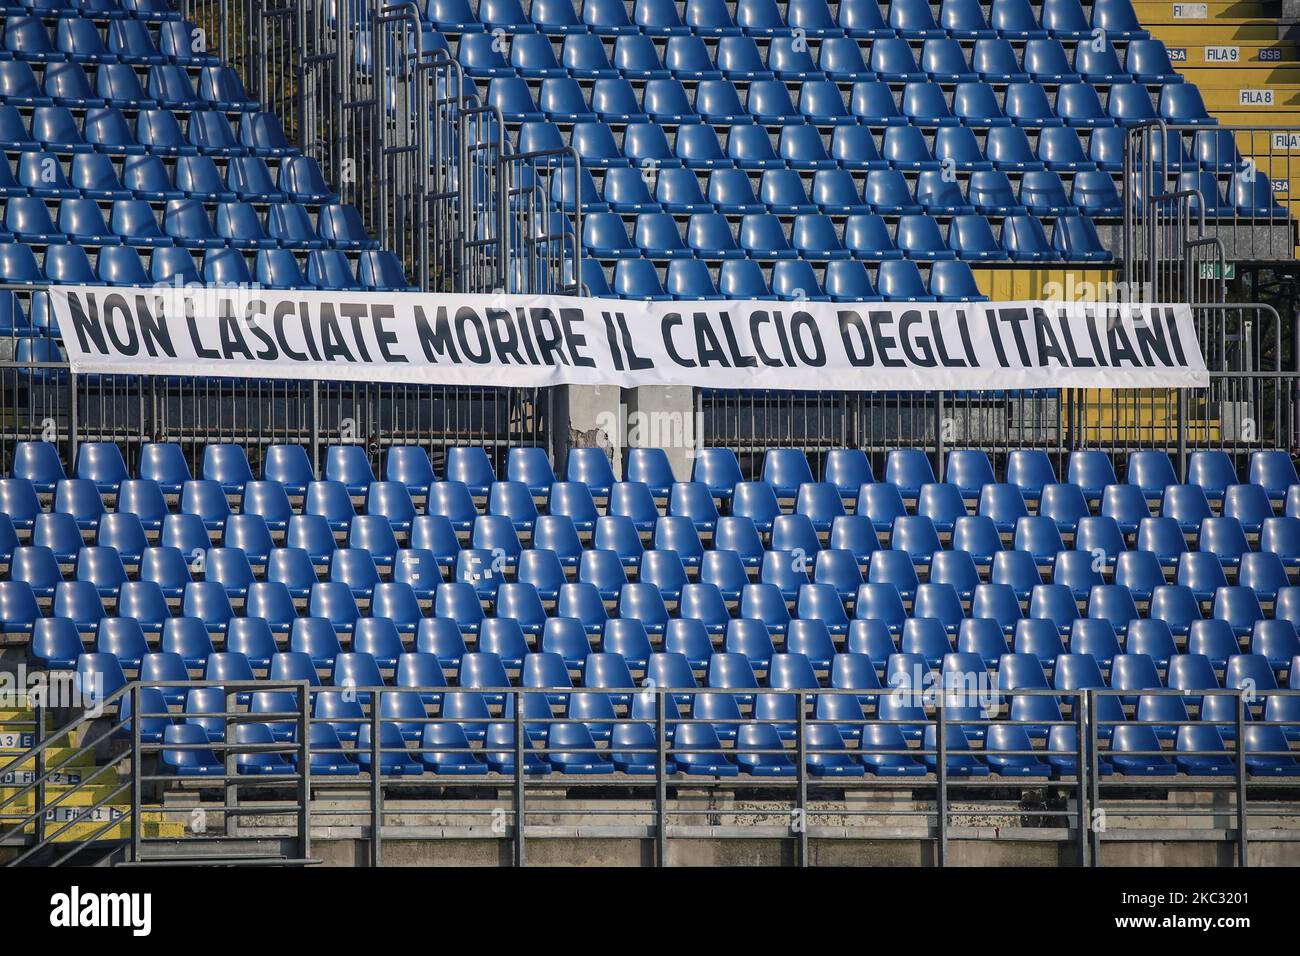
602,416
704,851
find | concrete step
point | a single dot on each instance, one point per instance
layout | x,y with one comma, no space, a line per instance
73,795
1205,53
1289,118
154,826
1185,34
1243,77
1021,283
54,757
1180,11
1277,146
1255,102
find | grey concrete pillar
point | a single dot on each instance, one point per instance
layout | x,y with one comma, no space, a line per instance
587,416
663,416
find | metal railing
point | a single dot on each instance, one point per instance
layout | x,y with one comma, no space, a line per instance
937,757
45,401
1200,200
1251,403
401,133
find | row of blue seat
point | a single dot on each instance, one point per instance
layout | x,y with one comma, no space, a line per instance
802,146
83,39
754,511
105,129
277,268
785,469
408,713
823,103
1124,509
443,749
167,86
817,237
837,191
1148,658
838,588
977,570
791,280
689,58
938,192
962,677
1064,19
152,10
786,568
181,222
787,572
1099,548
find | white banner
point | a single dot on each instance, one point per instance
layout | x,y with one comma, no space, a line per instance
524,340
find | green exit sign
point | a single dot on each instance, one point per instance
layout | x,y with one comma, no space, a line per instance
1213,270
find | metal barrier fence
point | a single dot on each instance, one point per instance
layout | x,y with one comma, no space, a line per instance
42,400
1199,200
1251,402
401,133
938,751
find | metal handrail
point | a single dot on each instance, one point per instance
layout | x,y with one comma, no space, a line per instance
1087,778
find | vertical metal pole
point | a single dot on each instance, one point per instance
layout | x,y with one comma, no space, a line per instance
941,775
136,826
940,410
304,771
315,426
1094,770
1081,723
520,812
1182,434
263,87
224,37
801,798
38,738
231,790
300,73
1242,853
376,791
661,782
73,423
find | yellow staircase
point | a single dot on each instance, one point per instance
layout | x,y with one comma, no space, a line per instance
1246,74
76,780
1105,416
1247,77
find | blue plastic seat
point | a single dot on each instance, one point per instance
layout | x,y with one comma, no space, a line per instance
1135,751
1225,538
908,469
1015,19
1239,606
874,103
1200,572
797,280
1215,151
1080,107
1176,605
960,761
1279,536
1181,103
1251,506
822,105
1276,641
1274,471
293,568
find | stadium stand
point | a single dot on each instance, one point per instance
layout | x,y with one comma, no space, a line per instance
386,607
255,600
